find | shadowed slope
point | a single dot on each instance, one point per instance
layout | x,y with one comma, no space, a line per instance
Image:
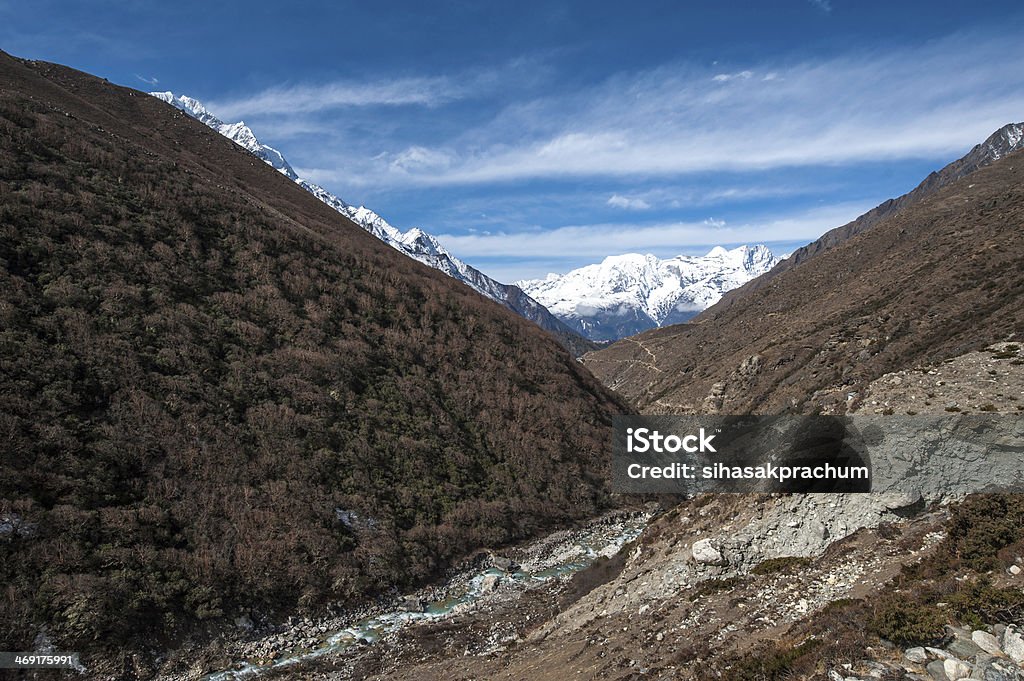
219,395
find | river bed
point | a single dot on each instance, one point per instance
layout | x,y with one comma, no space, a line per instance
555,556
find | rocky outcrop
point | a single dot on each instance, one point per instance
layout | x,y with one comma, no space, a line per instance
704,552
726,539
961,657
983,382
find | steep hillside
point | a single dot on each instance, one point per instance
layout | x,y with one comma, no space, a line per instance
627,294
941,277
1006,140
414,243
219,396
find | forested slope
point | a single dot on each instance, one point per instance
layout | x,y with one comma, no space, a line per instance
218,394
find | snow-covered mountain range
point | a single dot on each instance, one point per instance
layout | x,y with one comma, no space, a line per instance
414,243
627,294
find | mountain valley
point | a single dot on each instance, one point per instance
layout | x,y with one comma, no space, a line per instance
794,586
251,431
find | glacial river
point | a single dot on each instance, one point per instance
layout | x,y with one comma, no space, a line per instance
552,557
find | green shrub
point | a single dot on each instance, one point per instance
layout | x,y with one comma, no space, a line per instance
785,564
979,603
981,527
777,662
908,623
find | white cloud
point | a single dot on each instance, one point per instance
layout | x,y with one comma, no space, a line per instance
416,158
726,77
823,5
929,101
430,91
295,99
148,81
627,203
671,238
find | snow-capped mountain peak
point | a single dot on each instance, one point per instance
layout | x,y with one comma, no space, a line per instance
239,132
626,294
1007,139
414,243
193,107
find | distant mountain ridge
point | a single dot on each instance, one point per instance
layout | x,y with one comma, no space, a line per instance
928,277
626,294
1003,141
415,243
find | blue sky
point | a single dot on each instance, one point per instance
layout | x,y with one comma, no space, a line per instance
540,136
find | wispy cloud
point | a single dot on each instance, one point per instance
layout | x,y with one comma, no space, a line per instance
726,77
416,159
307,98
627,203
823,5
598,241
926,101
147,81
293,100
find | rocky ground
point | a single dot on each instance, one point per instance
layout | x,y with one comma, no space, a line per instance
995,654
977,382
705,577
